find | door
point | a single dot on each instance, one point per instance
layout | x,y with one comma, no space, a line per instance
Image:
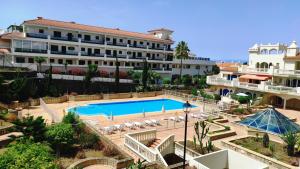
114,53
134,43
114,41
153,45
63,49
70,36
89,51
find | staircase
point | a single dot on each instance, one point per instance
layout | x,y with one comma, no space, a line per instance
155,143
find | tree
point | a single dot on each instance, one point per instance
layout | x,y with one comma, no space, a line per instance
290,139
138,165
60,135
91,72
145,75
154,77
201,134
31,127
40,60
186,80
136,76
117,74
73,119
27,155
215,69
181,52
266,140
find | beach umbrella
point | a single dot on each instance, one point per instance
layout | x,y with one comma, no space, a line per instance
242,94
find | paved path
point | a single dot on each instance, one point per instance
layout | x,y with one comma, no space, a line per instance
99,167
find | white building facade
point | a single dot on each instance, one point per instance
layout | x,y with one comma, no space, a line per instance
79,45
273,71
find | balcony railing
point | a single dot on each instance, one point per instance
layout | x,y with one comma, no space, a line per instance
36,35
264,86
160,59
65,38
27,50
121,44
92,41
65,52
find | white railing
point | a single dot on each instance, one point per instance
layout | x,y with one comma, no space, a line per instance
190,154
270,71
264,86
132,141
165,147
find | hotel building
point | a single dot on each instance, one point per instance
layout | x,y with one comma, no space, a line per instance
273,73
79,45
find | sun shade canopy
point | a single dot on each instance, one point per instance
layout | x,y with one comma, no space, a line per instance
254,77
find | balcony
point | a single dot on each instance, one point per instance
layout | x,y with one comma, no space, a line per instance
159,59
64,52
28,50
64,38
121,44
140,46
36,35
262,87
92,41
269,71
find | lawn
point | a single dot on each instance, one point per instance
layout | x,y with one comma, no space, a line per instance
255,144
190,145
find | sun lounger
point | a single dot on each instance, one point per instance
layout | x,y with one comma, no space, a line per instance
119,127
149,123
139,124
156,122
129,125
181,118
108,130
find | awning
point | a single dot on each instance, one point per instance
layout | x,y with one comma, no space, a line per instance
4,51
255,77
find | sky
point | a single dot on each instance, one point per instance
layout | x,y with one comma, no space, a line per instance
219,29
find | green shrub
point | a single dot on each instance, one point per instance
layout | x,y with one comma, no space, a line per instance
88,140
238,111
194,92
266,140
110,151
217,97
166,81
243,99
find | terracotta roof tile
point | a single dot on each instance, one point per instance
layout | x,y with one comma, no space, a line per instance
75,26
11,35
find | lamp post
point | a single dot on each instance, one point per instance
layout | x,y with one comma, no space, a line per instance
186,109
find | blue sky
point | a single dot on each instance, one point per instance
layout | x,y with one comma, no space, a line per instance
219,29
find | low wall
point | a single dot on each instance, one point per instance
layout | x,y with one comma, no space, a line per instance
117,96
220,135
267,160
145,94
6,129
85,97
190,154
53,100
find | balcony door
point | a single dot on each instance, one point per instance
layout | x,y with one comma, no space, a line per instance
63,49
114,53
89,51
70,36
114,41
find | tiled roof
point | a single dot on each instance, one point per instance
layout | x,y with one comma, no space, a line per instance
254,77
12,35
228,66
75,26
294,58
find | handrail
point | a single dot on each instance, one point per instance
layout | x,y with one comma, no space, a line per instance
162,146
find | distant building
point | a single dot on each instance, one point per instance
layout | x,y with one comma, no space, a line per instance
273,71
79,45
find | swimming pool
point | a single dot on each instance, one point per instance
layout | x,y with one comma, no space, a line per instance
127,107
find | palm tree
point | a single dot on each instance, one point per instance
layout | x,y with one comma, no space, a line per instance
145,75
39,60
290,139
182,52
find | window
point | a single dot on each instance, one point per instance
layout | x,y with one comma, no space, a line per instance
54,48
96,62
157,45
108,52
127,64
70,62
89,62
71,48
120,52
57,34
111,63
107,39
148,43
52,60
81,62
121,40
132,64
41,30
97,37
104,63
148,54
60,61
188,66
82,49
139,54
198,67
97,51
129,53
87,37
141,43
157,54
20,60
30,60
129,41
137,64
153,55
79,35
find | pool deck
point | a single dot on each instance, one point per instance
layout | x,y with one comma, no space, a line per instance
167,128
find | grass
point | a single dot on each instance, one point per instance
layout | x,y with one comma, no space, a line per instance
190,145
253,144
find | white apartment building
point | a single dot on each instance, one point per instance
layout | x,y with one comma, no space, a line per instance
79,45
273,71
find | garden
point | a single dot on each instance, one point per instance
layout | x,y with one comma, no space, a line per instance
287,152
55,146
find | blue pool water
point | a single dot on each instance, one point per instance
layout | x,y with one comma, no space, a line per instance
128,107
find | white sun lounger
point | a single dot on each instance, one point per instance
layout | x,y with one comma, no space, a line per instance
156,122
119,127
149,123
129,125
139,124
181,118
108,130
